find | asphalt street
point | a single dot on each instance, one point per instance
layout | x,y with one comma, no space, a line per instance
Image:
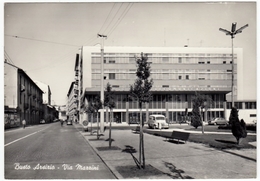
51,152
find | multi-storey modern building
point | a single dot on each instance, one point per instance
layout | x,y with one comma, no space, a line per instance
177,73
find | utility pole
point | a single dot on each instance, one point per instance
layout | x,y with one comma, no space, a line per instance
232,33
102,82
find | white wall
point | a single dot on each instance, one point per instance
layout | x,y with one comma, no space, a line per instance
10,86
244,114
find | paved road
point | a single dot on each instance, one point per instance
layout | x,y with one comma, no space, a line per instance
51,152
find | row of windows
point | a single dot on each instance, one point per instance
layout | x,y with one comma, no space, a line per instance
176,102
239,105
173,116
106,54
159,76
96,60
159,101
189,71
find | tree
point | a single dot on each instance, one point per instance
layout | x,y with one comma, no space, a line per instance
97,104
238,127
199,101
110,103
140,92
90,110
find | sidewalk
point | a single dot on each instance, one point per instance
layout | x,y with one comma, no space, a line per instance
169,160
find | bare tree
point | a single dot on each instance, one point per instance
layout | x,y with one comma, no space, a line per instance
110,103
97,104
140,91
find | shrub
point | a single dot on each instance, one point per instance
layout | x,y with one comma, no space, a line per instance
238,127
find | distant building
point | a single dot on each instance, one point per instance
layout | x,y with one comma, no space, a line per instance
71,104
46,96
50,112
177,73
62,112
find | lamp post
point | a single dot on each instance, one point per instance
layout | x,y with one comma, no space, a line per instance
232,33
102,82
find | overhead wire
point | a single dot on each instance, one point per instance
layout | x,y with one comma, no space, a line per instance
113,17
9,59
41,40
107,18
91,39
129,6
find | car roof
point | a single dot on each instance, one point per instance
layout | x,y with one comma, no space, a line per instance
157,115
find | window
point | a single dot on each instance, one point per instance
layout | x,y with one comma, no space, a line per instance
179,77
187,77
180,60
208,62
165,59
250,105
132,60
112,76
165,76
112,61
165,86
224,62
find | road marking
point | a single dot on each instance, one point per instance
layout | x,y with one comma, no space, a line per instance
24,137
21,128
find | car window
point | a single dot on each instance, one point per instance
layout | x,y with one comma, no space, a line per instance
160,118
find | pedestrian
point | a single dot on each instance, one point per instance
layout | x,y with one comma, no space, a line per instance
24,123
61,122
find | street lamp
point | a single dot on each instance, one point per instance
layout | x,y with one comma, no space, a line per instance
232,33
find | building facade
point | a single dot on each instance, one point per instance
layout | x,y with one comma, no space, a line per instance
177,73
50,112
71,104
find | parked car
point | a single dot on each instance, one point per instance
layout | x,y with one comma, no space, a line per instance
218,121
157,121
42,121
69,122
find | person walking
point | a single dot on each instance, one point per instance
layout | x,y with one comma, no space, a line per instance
24,123
61,122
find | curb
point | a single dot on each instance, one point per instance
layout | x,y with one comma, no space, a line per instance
114,172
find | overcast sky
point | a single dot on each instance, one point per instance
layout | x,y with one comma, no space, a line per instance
43,38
